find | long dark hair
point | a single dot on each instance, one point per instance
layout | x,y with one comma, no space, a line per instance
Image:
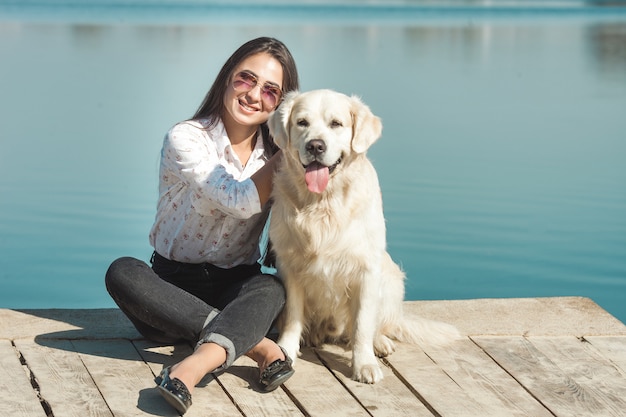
212,106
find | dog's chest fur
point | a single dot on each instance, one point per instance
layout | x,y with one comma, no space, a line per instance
327,240
327,223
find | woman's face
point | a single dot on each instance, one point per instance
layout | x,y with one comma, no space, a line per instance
252,106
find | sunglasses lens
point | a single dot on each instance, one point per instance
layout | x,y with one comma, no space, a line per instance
271,95
244,81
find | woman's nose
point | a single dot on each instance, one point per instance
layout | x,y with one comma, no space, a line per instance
255,92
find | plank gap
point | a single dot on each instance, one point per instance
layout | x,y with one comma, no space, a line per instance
295,401
407,384
33,382
80,358
513,376
442,370
228,394
327,366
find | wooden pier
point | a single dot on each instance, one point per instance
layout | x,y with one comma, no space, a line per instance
534,357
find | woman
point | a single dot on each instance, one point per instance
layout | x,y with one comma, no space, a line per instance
205,285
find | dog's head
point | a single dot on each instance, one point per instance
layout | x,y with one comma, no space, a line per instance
323,129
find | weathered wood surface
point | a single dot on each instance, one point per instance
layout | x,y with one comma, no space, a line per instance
520,357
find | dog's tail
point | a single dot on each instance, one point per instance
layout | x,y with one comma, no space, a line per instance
418,330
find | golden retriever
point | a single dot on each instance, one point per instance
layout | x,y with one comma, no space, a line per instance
328,233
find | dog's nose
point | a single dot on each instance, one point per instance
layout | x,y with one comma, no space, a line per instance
316,147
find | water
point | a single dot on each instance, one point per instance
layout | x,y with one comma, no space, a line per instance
501,161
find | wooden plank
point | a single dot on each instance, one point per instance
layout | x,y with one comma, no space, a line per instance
539,374
125,381
63,380
589,368
17,396
613,347
208,397
436,389
549,316
241,382
104,323
319,392
482,379
389,397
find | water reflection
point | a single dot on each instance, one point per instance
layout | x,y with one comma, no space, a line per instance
606,42
501,162
607,45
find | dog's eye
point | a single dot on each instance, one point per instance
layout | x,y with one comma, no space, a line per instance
303,122
336,123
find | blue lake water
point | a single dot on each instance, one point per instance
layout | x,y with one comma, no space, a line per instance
502,161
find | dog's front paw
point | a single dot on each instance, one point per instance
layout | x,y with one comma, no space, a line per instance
294,355
368,374
383,346
292,350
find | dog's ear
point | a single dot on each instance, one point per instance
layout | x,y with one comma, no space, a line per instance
279,120
366,127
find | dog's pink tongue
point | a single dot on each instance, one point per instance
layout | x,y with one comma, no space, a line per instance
316,177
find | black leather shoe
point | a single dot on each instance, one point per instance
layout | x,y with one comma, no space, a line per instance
276,373
174,391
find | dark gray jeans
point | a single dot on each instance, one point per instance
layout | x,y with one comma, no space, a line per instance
198,303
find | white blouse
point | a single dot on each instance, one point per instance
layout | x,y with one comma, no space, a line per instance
209,208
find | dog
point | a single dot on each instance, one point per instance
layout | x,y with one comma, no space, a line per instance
329,238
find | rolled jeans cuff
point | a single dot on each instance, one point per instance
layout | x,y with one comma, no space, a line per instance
226,343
